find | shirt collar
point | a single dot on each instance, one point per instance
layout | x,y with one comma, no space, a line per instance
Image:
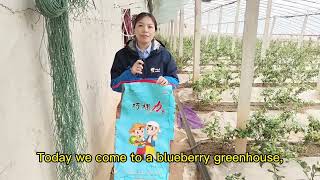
146,50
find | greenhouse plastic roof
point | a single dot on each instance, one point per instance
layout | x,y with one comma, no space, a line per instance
165,10
290,15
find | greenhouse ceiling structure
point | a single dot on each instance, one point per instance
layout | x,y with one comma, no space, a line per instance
286,16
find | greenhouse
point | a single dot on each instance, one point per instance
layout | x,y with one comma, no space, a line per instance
237,94
250,69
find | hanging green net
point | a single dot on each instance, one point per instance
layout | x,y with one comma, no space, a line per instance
69,130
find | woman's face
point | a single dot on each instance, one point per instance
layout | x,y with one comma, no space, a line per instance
145,30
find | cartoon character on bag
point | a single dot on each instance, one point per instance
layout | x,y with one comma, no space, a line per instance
137,138
153,129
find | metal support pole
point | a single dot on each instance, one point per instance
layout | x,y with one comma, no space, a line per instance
171,33
176,31
271,31
196,42
208,26
181,32
236,27
168,32
265,38
300,41
318,83
219,26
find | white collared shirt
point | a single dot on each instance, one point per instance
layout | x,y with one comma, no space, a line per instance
144,54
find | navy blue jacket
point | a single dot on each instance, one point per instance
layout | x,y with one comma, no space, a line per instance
159,63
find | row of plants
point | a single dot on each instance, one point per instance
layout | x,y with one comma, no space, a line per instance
285,65
288,64
211,52
282,64
186,59
291,69
210,86
279,55
270,135
311,172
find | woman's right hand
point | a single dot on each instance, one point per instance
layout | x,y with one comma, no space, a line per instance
137,67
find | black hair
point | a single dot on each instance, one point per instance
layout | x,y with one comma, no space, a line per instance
138,17
142,15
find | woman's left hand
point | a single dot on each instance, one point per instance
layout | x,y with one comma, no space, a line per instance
162,81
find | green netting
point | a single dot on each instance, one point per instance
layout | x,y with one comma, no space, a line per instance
69,131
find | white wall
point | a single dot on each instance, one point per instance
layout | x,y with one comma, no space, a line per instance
25,98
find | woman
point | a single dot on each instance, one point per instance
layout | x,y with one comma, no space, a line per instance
143,57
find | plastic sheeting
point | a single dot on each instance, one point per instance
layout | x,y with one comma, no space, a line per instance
166,10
